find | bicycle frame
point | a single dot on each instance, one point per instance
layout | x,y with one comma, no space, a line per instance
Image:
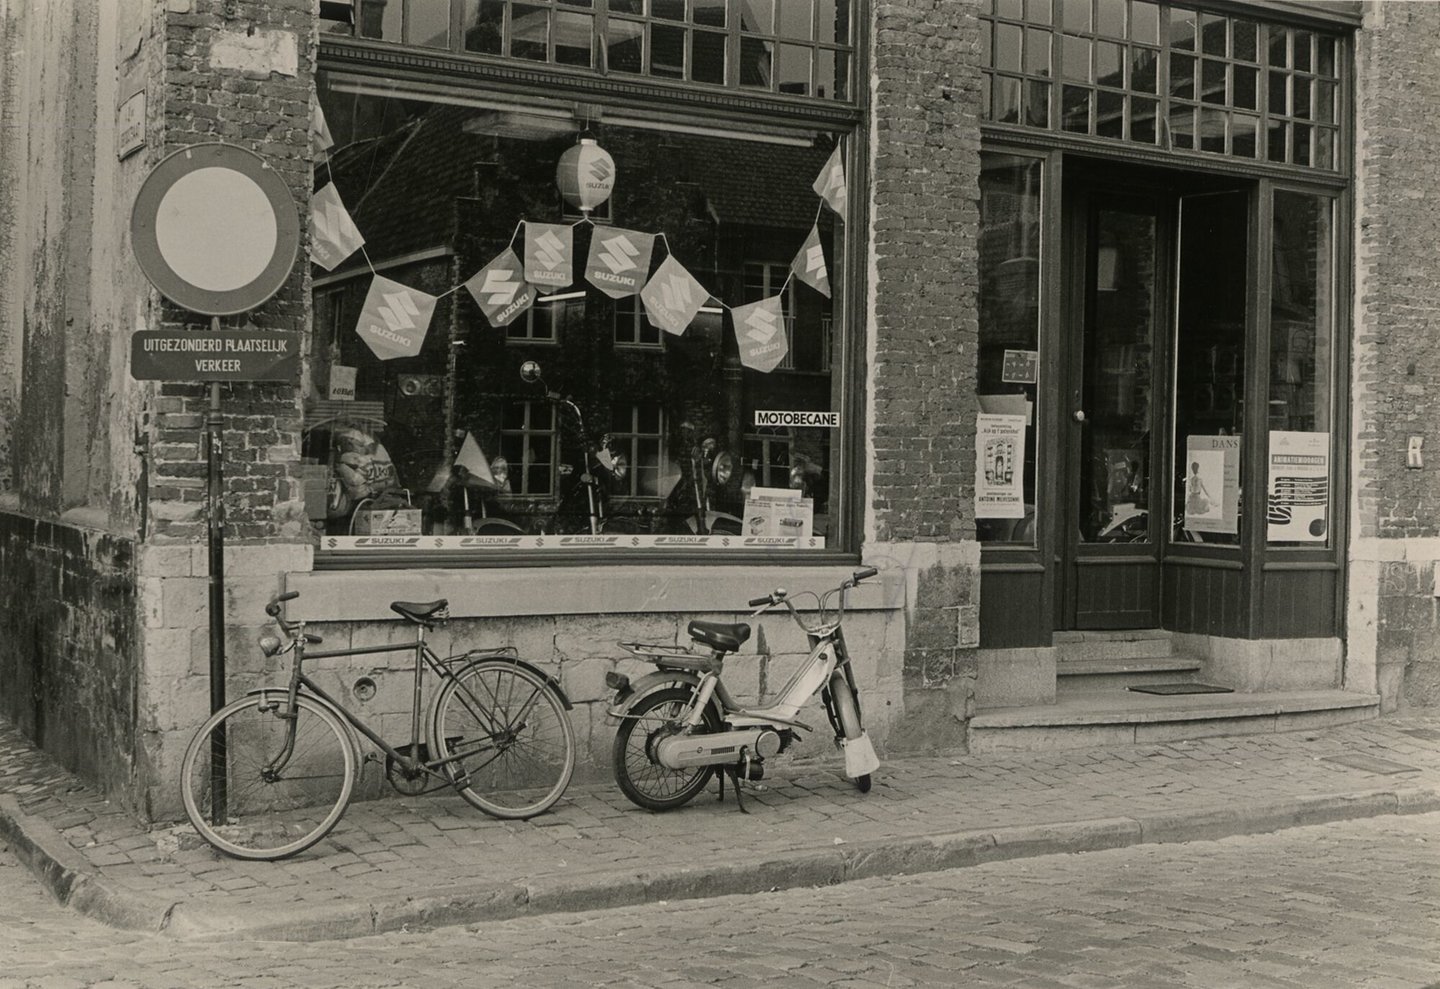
425,658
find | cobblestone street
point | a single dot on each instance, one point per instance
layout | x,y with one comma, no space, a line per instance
1349,905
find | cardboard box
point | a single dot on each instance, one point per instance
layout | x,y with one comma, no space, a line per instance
387,522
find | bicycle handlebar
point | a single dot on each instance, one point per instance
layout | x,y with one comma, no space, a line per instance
288,627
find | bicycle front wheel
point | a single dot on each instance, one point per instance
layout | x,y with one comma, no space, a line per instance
503,738
273,798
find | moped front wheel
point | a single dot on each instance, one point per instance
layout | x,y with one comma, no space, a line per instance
640,775
848,714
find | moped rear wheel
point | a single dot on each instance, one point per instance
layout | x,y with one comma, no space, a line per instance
848,713
644,780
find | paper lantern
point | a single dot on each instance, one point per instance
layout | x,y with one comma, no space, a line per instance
585,174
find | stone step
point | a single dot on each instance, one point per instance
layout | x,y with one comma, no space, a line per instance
1089,675
1124,717
1127,644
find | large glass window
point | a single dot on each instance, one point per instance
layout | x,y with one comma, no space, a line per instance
799,48
1167,76
1302,320
1009,347
580,413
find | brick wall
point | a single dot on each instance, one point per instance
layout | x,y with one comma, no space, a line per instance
239,72
924,224
66,657
1394,620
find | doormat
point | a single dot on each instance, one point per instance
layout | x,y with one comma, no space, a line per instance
1182,688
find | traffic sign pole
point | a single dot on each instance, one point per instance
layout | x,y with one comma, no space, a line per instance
215,445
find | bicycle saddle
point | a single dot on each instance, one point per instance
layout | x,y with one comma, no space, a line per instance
429,614
719,635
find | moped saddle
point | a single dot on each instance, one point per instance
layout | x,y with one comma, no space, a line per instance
719,635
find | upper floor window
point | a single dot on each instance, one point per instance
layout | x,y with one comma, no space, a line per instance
1165,76
801,48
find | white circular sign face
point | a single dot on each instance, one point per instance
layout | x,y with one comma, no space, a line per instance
216,229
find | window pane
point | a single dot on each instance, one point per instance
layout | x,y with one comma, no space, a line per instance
793,72
1009,300
756,58
1110,19
1212,81
1142,120
1075,15
1210,348
1110,115
1182,29
797,20
1007,47
1245,88
1212,129
759,16
671,10
529,32
1182,76
485,26
625,46
574,41
1145,70
1245,135
1037,52
472,442
1076,110
707,57
711,13
667,51
1145,23
1301,371
1182,125
1214,35
1246,39
1110,64
430,23
1076,54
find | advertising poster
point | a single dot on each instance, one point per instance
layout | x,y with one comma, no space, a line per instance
778,512
999,466
1297,508
1212,484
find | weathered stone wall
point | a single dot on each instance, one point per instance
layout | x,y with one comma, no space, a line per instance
67,644
1394,612
924,216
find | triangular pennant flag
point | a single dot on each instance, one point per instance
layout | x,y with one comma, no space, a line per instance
760,333
830,183
619,261
395,319
499,290
321,139
476,466
672,297
335,235
809,264
549,254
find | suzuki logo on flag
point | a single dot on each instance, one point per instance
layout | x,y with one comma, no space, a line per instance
809,264
336,236
499,290
619,260
549,253
672,297
830,184
395,319
758,332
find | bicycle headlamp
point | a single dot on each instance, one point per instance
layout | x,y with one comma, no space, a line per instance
270,644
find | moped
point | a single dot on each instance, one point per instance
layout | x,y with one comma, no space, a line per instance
679,725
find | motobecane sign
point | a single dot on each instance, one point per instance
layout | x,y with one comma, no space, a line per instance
215,355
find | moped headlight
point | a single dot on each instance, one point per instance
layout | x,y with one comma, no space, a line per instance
724,468
270,644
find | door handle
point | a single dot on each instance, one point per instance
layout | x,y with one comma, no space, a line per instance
1078,415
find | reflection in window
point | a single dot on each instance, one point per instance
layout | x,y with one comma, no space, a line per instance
1210,323
1010,321
1301,369
440,190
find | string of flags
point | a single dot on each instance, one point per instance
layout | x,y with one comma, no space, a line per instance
396,317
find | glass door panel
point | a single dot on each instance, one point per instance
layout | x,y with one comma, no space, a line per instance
1114,465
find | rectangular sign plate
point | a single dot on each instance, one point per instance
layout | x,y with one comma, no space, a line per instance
214,355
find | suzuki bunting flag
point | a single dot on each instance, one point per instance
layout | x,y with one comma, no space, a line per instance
672,297
619,260
500,290
830,184
809,264
760,333
549,254
335,235
395,319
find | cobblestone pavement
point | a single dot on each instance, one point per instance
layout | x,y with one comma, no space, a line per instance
428,861
1353,905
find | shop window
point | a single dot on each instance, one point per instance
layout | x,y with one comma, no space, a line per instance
1302,321
536,365
1008,373
1212,83
800,48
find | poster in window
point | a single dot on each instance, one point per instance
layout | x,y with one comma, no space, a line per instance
1297,508
1212,484
999,466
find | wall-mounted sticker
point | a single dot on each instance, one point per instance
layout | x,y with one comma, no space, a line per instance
1021,367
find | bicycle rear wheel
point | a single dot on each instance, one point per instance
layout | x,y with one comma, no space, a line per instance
504,738
275,805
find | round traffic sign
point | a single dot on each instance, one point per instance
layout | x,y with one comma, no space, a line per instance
215,229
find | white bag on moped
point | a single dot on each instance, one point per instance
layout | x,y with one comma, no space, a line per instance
860,757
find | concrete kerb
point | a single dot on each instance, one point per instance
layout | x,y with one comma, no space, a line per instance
72,881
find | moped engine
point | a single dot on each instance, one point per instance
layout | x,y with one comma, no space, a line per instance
716,748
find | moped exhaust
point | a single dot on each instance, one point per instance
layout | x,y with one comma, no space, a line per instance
716,748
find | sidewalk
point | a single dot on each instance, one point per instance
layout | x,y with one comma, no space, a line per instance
431,860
